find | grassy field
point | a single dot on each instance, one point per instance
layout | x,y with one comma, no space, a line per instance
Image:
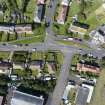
37,56
28,41
99,93
70,43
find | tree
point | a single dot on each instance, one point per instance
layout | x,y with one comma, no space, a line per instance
86,37
45,70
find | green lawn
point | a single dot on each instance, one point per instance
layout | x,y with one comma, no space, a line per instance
28,41
99,93
4,54
70,43
37,55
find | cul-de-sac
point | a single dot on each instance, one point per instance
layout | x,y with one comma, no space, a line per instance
52,52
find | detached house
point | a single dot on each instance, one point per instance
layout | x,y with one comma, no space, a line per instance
39,11
88,68
40,1
77,27
98,35
63,11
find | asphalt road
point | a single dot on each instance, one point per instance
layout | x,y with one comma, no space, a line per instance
62,80
51,44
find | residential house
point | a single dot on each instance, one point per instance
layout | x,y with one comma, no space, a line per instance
83,67
5,67
20,98
79,28
7,28
65,2
91,88
62,14
63,11
98,35
20,29
40,2
38,13
82,96
2,100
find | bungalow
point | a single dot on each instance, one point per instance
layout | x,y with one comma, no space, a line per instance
5,67
88,68
19,29
62,14
20,98
40,2
77,27
38,13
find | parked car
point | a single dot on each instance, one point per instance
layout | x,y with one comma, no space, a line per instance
34,49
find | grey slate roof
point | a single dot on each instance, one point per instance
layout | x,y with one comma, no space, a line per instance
20,98
38,13
82,95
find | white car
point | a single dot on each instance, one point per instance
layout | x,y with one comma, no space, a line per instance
34,49
70,39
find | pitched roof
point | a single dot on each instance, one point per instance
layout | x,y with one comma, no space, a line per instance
38,13
65,2
23,29
88,68
81,96
20,98
40,1
62,14
1,100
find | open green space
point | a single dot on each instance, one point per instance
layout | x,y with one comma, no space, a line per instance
98,97
29,40
70,43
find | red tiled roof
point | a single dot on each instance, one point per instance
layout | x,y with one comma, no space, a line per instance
62,13
40,1
88,68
